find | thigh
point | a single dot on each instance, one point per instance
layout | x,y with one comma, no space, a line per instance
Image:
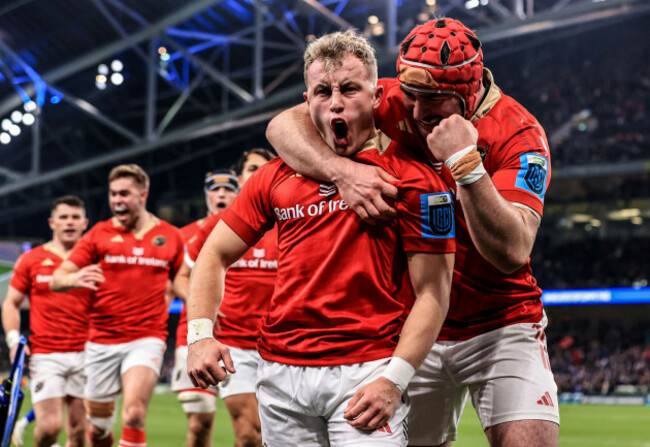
244,380
513,381
49,409
102,368
243,409
532,433
437,401
47,375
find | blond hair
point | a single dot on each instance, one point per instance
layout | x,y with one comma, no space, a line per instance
133,171
332,48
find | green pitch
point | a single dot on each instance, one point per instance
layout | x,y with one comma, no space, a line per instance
582,426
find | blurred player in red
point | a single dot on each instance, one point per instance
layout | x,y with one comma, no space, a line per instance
338,312
58,325
131,258
446,105
199,405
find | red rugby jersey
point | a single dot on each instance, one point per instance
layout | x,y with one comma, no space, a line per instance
339,296
189,233
58,322
517,158
130,303
248,288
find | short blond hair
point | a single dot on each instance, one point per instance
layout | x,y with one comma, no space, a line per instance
133,171
332,48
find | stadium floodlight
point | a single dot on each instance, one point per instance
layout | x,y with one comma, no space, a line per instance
100,85
28,119
431,2
14,131
5,138
30,106
471,4
117,65
378,29
6,124
164,57
637,220
373,19
162,50
16,116
102,69
117,78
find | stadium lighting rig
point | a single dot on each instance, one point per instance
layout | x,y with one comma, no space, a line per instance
10,127
112,73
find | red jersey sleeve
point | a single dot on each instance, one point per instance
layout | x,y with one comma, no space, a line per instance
196,244
20,279
251,215
520,167
84,252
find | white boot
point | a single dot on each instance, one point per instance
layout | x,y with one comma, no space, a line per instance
19,432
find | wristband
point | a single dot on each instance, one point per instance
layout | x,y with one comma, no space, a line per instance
466,166
198,329
400,372
12,338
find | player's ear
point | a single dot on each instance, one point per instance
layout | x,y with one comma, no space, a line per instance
86,221
50,222
304,95
379,92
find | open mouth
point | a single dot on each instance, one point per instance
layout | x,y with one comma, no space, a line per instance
120,211
220,205
340,130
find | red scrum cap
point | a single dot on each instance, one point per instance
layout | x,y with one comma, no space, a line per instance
442,56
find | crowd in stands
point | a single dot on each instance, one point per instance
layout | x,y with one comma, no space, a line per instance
600,359
584,80
590,263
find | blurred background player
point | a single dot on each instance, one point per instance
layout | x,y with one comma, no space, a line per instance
199,405
59,329
496,312
130,258
327,376
248,289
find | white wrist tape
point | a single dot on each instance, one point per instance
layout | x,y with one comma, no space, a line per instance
400,372
458,155
12,338
199,329
470,177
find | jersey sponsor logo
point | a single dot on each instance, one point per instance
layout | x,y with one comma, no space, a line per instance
532,174
437,215
327,190
117,238
47,262
138,251
135,260
159,241
259,252
43,278
257,263
298,211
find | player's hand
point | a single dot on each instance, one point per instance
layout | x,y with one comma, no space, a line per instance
373,405
87,277
203,362
453,134
363,188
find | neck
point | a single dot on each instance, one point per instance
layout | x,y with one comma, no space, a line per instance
61,247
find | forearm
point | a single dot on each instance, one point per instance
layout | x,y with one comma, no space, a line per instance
10,315
61,281
181,282
294,136
502,232
206,287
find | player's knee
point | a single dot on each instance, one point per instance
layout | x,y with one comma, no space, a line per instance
200,424
197,402
49,426
249,438
134,415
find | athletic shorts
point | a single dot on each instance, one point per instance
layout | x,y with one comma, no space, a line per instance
506,372
180,379
246,362
106,364
58,374
303,406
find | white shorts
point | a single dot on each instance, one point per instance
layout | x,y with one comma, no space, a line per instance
105,364
244,380
506,372
304,406
180,379
57,375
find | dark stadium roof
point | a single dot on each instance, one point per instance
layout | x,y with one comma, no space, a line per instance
230,66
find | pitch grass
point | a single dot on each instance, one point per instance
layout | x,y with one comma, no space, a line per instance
582,426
